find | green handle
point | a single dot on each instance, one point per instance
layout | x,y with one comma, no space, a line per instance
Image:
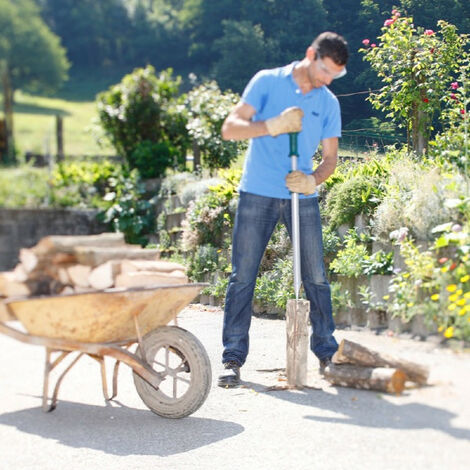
293,149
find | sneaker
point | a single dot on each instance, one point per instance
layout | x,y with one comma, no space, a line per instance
324,363
232,379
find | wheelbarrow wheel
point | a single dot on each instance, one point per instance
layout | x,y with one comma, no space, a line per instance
179,357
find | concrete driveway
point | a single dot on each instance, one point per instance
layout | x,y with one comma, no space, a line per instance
321,427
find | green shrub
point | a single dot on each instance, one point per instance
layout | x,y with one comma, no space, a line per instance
202,262
356,195
207,109
127,210
24,187
142,119
83,183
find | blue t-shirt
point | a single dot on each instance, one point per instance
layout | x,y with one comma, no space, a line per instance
267,160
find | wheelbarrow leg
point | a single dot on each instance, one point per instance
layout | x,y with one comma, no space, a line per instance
49,366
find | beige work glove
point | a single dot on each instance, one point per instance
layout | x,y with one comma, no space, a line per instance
299,182
290,120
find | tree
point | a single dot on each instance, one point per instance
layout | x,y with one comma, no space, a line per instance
31,57
416,67
242,50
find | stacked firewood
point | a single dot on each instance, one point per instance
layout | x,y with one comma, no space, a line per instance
75,264
356,366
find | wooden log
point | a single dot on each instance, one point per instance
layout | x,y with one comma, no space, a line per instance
28,259
94,256
148,278
104,276
354,353
68,243
129,266
297,342
79,275
5,313
382,379
11,287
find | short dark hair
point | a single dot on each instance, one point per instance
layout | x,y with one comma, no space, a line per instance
332,45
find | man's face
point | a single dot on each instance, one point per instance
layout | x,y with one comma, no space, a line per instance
324,71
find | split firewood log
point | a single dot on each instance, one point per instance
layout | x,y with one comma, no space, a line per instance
11,287
5,313
67,243
149,278
369,378
104,275
79,275
94,256
354,353
129,266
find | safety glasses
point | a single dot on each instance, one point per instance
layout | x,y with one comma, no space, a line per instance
325,69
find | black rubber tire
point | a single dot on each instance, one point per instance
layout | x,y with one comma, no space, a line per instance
197,371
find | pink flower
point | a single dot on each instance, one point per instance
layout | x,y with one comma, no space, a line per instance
397,14
365,42
462,111
373,45
389,22
454,85
428,32
453,96
394,12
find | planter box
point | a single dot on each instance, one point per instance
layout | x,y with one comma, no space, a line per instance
376,319
420,328
397,325
174,219
379,287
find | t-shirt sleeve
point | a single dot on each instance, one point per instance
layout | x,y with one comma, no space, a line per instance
332,120
256,92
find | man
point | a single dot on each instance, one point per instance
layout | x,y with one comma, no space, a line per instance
293,98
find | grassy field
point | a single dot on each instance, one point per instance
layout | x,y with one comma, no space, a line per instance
35,121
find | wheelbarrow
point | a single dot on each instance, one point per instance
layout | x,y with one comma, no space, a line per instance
171,369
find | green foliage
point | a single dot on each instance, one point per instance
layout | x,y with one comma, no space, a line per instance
138,116
350,259
29,52
357,195
451,147
83,184
126,208
23,187
277,285
207,108
203,262
211,216
340,297
416,67
378,263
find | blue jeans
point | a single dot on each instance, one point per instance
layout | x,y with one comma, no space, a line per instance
255,221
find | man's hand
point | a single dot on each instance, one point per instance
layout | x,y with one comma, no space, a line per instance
299,182
290,120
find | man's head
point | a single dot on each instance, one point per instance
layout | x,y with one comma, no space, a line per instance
331,45
326,59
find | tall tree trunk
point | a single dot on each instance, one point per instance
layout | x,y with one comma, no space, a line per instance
8,111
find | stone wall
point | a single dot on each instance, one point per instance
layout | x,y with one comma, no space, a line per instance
23,228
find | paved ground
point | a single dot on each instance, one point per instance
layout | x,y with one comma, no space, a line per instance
250,427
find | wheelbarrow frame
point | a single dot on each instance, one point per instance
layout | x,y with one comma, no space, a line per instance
118,350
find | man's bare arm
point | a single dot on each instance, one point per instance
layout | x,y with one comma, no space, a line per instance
239,126
329,160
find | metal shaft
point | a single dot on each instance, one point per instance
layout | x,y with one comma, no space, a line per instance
293,154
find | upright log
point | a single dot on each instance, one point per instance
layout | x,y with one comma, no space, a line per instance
354,353
370,378
297,342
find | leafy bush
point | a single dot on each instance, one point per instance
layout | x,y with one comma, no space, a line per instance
207,109
127,210
83,184
204,261
24,187
143,120
211,217
378,263
349,260
277,285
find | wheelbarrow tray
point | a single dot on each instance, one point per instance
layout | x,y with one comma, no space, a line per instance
102,316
